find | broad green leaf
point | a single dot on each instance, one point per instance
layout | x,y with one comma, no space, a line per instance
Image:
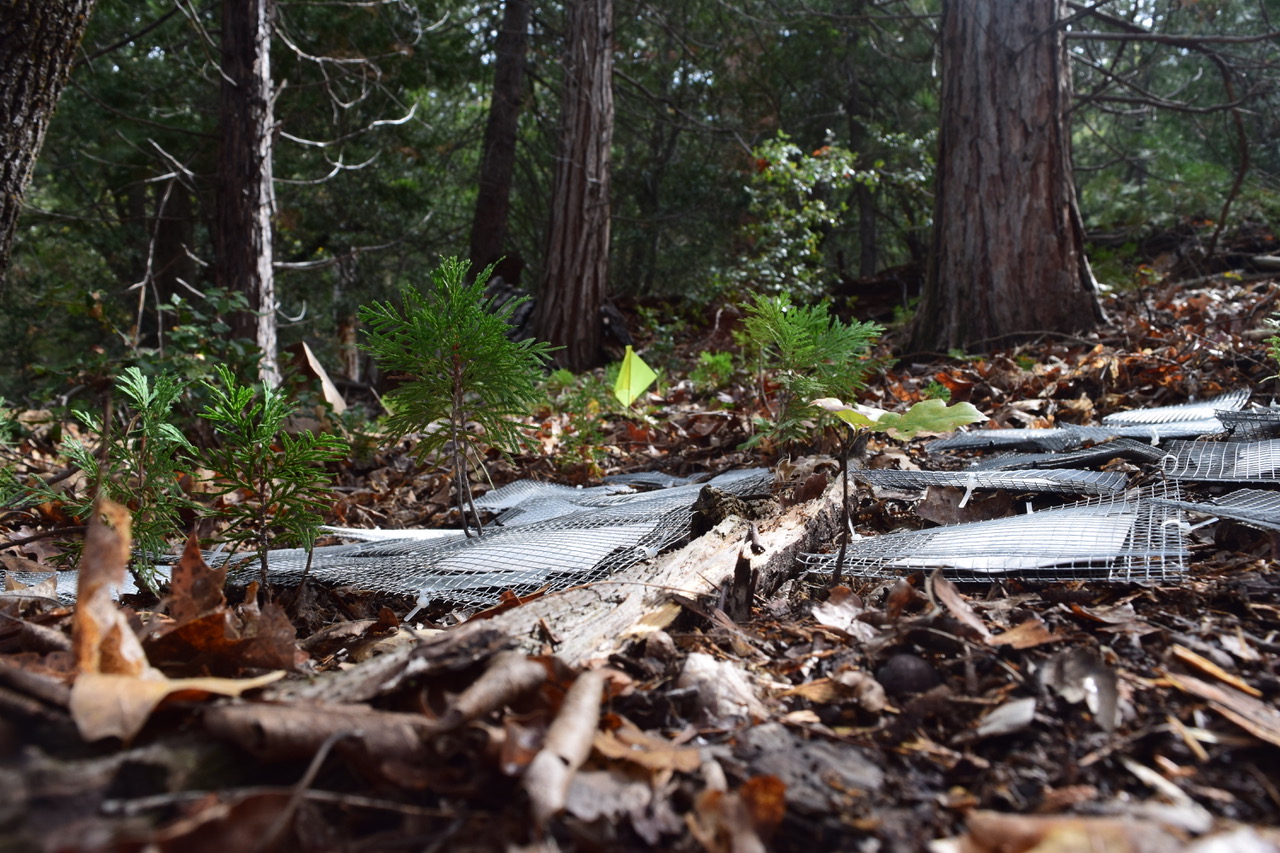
633,378
925,416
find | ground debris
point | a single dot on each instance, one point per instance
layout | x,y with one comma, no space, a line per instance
900,713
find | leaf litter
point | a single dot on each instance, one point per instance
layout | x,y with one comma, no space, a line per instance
898,713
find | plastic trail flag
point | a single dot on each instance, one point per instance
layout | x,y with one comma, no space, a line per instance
633,377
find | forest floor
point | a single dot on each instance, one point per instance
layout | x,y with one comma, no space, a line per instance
880,714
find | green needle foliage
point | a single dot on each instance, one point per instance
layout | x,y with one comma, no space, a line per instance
138,465
464,383
278,479
809,354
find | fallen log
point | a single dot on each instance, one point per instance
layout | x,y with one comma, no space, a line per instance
587,624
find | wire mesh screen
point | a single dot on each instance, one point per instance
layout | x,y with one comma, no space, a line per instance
546,536
1129,537
1251,425
1068,481
1006,439
1098,454
1224,461
1154,433
1256,507
1202,411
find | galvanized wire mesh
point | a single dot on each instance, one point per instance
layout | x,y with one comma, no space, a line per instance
1064,481
1006,439
1256,507
1224,461
1155,433
546,536
1202,411
1251,425
1128,537
1098,454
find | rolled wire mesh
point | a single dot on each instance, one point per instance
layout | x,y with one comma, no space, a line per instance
1256,507
1064,481
1224,461
1120,448
1202,411
1128,537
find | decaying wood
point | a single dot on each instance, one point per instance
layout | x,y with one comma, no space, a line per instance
594,621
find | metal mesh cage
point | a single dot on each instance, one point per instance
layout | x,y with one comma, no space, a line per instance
1256,507
1061,481
1128,537
1121,448
1224,461
1202,411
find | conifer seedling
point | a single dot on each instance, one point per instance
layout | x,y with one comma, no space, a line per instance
278,479
463,382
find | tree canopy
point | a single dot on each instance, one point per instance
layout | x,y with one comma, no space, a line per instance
379,123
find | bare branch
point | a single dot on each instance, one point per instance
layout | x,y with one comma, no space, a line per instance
382,122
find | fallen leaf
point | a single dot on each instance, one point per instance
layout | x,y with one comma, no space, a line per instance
625,741
103,639
107,705
949,597
195,589
1026,635
841,611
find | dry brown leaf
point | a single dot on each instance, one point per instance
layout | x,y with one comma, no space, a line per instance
107,705
104,641
945,592
1026,635
195,589
627,742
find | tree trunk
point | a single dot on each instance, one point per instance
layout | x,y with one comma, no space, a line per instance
576,270
1008,255
38,40
245,198
498,160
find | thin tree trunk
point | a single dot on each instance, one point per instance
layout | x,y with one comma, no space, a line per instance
245,199
1008,254
38,40
498,160
576,271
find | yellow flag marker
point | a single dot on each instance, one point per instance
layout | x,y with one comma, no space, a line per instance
633,378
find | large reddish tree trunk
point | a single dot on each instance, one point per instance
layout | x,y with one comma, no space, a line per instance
498,160
577,260
1008,255
245,197
38,40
